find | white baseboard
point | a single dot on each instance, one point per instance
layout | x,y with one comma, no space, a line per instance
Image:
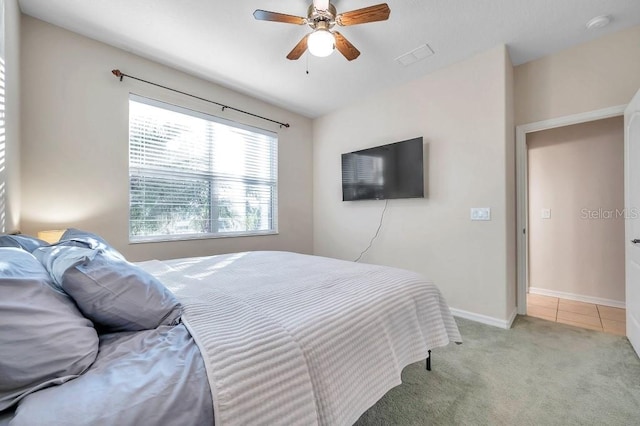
512,317
485,319
578,297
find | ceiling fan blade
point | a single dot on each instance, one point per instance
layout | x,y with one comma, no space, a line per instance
265,15
345,47
379,12
300,48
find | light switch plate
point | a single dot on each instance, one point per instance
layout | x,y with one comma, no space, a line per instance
546,213
480,213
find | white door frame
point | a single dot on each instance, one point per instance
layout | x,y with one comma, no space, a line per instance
522,186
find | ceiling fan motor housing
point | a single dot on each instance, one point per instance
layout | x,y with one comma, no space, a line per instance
316,17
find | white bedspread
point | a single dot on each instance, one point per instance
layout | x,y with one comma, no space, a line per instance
293,339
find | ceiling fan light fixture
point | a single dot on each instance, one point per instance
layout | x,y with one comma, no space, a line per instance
321,43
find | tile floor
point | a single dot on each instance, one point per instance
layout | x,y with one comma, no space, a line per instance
579,314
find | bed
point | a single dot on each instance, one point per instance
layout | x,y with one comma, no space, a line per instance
244,338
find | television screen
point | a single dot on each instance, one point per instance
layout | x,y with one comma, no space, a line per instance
384,172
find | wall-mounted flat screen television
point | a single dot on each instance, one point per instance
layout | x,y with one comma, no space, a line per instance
384,172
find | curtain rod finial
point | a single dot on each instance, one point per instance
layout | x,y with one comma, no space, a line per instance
117,73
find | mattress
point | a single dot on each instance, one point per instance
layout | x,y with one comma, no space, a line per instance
296,339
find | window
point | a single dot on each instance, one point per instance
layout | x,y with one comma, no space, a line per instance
3,128
192,175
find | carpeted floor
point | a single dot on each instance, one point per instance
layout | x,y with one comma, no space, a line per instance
536,373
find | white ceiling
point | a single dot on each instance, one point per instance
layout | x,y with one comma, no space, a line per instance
221,41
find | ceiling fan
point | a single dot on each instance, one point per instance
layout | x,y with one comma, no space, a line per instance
322,18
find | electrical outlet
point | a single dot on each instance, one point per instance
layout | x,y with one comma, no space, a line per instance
480,213
546,213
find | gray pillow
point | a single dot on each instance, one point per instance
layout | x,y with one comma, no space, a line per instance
58,258
44,339
24,242
90,240
119,296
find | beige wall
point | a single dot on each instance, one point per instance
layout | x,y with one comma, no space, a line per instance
510,188
10,174
577,172
461,112
75,144
74,154
588,77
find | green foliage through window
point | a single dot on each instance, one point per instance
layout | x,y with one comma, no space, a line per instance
192,174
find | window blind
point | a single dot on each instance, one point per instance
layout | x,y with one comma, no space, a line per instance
193,174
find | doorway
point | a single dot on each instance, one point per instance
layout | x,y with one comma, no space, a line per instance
557,213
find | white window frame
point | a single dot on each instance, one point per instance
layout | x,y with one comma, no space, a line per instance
196,236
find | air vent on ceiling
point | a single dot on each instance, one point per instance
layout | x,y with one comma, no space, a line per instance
417,54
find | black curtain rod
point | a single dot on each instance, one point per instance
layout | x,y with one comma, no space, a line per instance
121,75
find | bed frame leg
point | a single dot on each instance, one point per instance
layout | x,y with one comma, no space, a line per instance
429,360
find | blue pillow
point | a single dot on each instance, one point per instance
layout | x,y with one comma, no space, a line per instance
44,339
24,242
117,295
